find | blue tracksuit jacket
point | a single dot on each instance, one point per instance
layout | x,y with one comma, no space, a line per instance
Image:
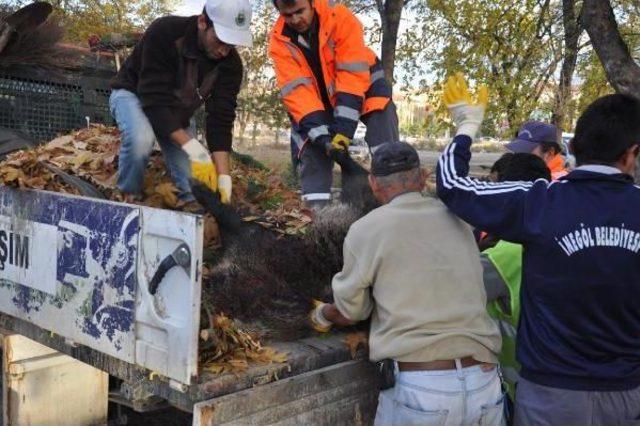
580,320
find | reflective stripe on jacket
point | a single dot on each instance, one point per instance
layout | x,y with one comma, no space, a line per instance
353,75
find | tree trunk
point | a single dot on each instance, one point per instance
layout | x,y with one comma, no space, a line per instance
390,13
242,122
277,138
622,72
572,30
254,134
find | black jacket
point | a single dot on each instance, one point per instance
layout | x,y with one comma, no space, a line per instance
173,78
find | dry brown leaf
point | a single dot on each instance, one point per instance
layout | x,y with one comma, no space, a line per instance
9,174
96,164
238,364
39,182
215,368
154,200
206,272
168,193
82,158
78,145
211,232
234,348
205,334
108,160
61,141
355,341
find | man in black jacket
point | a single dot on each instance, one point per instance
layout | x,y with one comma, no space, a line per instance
180,64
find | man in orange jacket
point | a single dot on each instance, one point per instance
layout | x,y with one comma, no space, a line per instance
540,139
329,81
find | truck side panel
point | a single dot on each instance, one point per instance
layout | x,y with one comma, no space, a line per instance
81,268
341,394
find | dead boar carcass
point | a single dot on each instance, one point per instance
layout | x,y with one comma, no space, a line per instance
267,280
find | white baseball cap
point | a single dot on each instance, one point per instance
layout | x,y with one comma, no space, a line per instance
231,21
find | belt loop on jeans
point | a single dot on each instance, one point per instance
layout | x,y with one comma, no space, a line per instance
458,365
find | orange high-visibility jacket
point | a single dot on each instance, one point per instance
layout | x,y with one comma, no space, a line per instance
556,165
352,74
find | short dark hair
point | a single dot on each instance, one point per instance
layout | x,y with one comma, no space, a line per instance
523,167
499,166
207,20
551,146
607,129
288,2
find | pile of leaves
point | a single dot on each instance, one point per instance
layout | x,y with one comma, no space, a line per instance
225,347
262,198
92,153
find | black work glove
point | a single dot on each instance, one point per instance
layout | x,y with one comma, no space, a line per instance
338,153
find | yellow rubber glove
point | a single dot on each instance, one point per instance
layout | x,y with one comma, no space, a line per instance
317,319
225,187
466,114
340,142
202,168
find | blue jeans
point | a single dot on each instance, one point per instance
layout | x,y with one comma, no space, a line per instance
464,396
138,138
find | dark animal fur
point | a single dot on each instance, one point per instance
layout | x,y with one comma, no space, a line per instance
268,281
36,49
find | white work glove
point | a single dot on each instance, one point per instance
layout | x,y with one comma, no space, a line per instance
317,319
225,188
202,168
466,115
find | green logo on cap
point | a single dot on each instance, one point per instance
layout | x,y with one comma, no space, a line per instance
241,19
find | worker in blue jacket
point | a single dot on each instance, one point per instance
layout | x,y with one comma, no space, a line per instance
579,331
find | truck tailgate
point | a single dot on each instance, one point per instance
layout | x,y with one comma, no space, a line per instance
81,268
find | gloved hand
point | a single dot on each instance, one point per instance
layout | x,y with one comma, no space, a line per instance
317,319
202,168
338,148
466,114
340,142
225,188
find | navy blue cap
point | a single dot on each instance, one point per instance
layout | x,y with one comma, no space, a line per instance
394,157
531,134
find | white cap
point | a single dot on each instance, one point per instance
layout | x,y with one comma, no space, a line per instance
231,21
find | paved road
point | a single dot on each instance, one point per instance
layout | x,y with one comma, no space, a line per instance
480,162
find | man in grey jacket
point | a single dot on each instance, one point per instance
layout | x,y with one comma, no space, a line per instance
414,268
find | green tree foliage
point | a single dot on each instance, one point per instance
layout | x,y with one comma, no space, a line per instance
514,46
593,80
259,101
83,18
